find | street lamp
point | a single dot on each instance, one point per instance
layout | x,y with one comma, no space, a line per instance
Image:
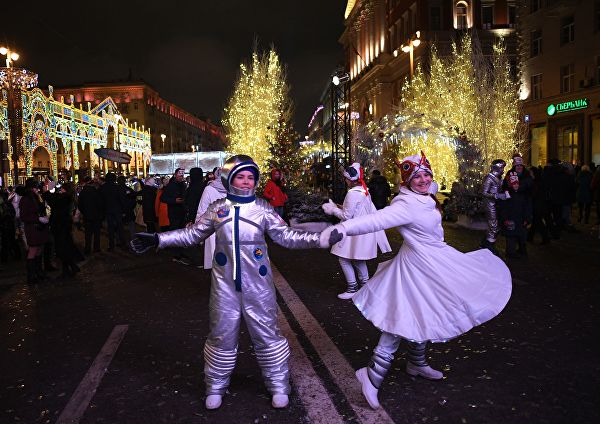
409,48
163,136
340,79
117,119
14,80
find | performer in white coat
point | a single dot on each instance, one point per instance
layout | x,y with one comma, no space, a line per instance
429,291
213,191
354,251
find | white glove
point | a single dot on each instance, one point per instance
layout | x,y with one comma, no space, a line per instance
329,207
331,235
507,195
44,219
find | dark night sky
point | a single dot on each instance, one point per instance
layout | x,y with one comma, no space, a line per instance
189,51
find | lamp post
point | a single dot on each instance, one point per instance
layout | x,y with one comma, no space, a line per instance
117,119
163,136
15,80
409,48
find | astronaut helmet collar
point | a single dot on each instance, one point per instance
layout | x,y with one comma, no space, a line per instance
232,166
497,167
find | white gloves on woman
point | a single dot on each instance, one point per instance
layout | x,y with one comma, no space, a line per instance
44,219
330,208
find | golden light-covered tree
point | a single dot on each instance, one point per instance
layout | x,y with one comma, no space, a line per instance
258,109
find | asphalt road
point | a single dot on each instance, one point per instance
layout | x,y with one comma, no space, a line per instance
122,343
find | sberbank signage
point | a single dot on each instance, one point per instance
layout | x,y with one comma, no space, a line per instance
568,106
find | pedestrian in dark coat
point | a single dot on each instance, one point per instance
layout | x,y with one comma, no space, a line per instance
174,196
514,216
149,191
115,205
193,194
557,186
379,189
32,212
130,203
63,205
584,193
540,213
91,206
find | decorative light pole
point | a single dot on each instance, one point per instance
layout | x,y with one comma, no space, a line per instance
340,131
409,48
163,136
14,80
118,144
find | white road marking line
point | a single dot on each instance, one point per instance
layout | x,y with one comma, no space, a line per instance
339,368
82,396
313,394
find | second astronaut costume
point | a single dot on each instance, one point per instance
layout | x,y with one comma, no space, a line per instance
492,184
242,282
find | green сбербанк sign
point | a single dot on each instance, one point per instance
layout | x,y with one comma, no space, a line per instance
568,106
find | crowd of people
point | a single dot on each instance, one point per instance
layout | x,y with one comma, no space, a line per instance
37,218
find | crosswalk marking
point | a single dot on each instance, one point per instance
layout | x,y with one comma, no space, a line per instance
339,368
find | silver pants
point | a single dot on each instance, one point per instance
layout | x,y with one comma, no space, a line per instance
220,350
492,220
383,355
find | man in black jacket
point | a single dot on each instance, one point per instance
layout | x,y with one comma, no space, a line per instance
193,194
149,190
174,196
114,207
379,189
91,206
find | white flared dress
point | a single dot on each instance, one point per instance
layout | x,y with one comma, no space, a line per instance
429,291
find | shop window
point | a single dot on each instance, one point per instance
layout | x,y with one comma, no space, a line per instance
567,30
567,78
539,146
536,87
568,143
536,42
512,15
462,15
487,16
596,141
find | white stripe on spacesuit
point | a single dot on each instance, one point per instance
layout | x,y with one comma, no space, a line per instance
337,365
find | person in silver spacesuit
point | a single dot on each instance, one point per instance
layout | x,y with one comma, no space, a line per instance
491,194
242,282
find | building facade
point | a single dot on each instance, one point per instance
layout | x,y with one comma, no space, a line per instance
377,30
560,77
142,106
58,139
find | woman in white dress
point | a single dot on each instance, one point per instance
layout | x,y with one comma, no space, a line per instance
354,251
213,191
429,292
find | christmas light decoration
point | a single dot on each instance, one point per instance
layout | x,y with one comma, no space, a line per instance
259,111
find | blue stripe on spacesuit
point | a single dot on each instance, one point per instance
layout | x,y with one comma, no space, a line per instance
236,245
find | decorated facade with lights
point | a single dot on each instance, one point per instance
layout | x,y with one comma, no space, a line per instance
380,37
58,137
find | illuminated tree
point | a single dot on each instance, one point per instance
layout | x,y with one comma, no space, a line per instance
259,109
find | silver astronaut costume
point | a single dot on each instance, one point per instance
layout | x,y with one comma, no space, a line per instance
242,282
491,187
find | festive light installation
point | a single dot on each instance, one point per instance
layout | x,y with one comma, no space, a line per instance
259,111
474,98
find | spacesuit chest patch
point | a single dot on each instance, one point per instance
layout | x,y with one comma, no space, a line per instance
258,254
222,213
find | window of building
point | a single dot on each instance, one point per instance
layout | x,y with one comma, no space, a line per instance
487,16
596,140
435,18
597,15
539,146
135,105
567,30
512,15
568,143
567,78
536,42
461,15
536,5
598,73
536,87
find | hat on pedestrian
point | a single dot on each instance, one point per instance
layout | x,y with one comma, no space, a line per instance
355,172
411,165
